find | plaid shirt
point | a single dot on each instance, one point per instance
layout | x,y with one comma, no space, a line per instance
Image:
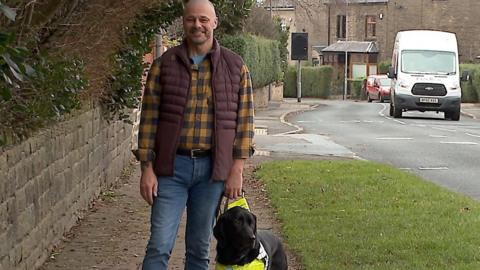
198,124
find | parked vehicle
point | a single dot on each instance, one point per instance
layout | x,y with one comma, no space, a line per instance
377,87
425,73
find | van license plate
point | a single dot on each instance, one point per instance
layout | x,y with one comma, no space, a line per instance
429,100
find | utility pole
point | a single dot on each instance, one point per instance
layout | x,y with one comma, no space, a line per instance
346,51
299,82
271,12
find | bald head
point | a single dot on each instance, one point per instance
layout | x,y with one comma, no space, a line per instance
199,22
203,3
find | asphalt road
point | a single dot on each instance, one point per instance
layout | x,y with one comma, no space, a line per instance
442,151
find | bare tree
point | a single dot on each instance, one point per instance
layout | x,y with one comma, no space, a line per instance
260,23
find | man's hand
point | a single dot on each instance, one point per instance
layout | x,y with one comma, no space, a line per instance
234,182
148,182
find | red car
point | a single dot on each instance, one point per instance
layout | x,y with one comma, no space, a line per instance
377,87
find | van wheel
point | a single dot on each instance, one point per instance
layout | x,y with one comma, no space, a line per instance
381,99
391,109
397,113
369,99
455,115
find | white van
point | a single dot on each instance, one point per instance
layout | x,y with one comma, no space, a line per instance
425,73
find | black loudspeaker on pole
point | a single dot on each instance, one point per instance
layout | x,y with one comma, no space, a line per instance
299,46
299,51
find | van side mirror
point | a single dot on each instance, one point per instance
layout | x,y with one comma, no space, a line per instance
465,76
391,73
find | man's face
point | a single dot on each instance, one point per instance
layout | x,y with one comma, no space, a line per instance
199,21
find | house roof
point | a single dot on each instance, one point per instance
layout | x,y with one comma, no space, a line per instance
353,46
279,3
356,1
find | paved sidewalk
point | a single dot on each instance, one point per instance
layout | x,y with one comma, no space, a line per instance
471,110
114,233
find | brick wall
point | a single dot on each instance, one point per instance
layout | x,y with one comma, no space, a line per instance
47,181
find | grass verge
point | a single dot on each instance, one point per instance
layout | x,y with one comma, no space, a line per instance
362,215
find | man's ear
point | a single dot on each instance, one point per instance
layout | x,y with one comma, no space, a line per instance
215,23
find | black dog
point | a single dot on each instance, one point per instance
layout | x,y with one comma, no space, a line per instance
238,242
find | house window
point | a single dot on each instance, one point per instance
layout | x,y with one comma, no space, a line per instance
359,71
341,26
370,27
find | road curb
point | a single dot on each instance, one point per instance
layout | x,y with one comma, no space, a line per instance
469,115
291,112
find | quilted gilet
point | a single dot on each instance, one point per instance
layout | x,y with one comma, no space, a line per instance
175,81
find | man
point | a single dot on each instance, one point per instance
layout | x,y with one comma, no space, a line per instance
195,132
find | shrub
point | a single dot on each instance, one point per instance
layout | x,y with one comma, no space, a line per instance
290,82
471,88
262,57
51,93
383,67
316,82
356,88
34,87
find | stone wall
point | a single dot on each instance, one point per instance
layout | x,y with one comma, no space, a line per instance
47,182
277,92
260,97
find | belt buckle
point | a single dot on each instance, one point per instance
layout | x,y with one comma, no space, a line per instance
192,152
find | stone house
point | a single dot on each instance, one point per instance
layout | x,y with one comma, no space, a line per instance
329,21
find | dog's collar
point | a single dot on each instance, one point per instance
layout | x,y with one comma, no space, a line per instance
260,263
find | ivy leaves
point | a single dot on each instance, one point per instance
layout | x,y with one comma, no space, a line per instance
8,12
34,89
13,67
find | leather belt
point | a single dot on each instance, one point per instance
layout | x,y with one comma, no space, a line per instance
194,153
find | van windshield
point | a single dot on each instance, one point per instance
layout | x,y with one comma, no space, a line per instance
428,62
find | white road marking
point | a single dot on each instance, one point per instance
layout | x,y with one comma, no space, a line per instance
351,121
306,121
438,136
261,153
398,121
381,112
405,169
432,168
371,121
393,138
473,135
445,129
463,143
260,131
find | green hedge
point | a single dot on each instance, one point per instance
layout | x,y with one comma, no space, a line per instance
471,88
316,82
383,67
290,82
262,57
355,87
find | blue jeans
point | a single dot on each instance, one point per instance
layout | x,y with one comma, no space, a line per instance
191,186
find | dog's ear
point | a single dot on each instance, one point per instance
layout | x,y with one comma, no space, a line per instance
254,223
218,230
